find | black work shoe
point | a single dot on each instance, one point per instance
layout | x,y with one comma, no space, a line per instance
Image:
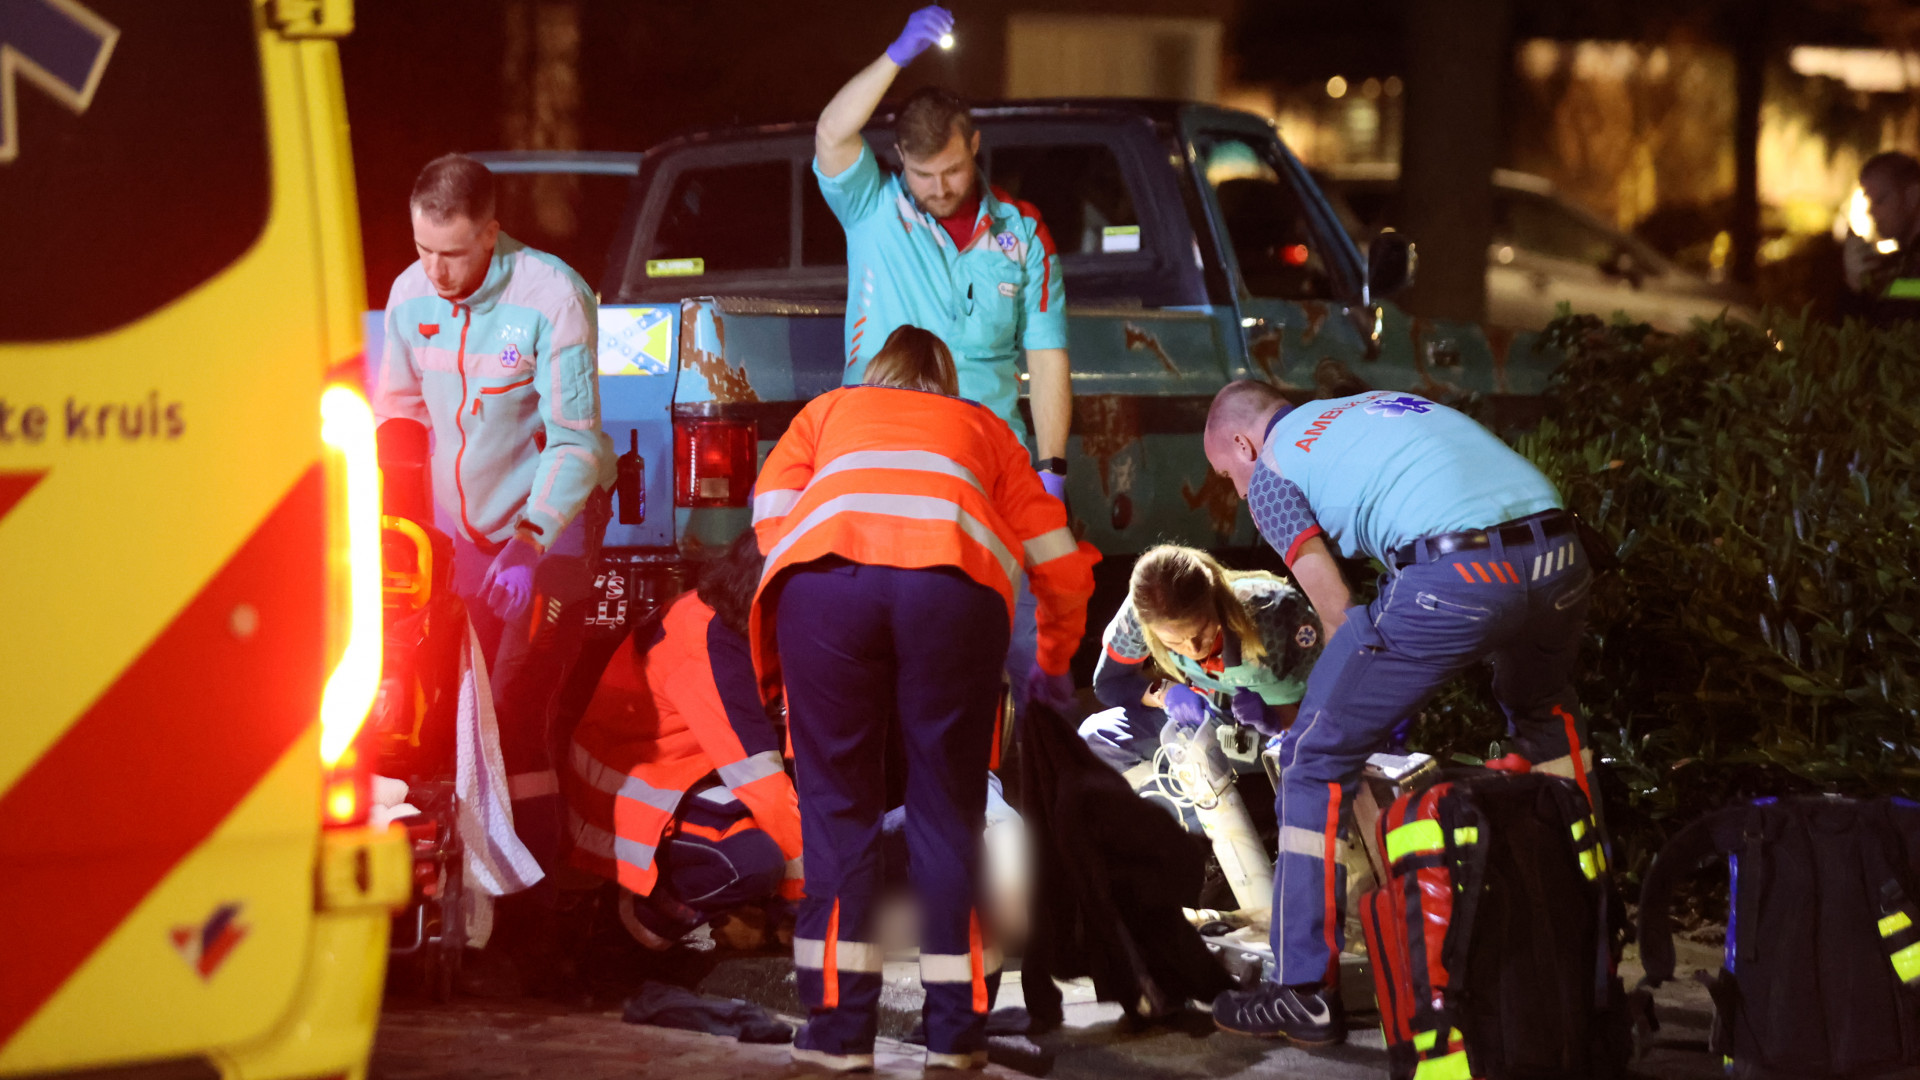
1271,1011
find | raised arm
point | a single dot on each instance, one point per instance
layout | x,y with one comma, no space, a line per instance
836,138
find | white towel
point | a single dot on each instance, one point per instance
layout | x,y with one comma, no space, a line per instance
497,864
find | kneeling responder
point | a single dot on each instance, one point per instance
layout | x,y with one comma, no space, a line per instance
897,519
678,789
1237,646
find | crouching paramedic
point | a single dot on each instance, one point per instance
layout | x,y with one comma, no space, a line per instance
897,520
677,785
490,346
1237,646
1483,564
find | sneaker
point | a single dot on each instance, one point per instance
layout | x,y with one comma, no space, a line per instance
832,1062
1271,1011
975,1060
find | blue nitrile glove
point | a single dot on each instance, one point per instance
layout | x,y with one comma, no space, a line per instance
508,586
1053,691
1055,483
1185,706
1250,708
924,28
1397,742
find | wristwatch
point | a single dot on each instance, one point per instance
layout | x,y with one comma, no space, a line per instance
1054,465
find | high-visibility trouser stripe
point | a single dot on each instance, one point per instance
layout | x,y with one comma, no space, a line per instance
916,507
909,460
1295,840
1451,1067
533,785
956,967
595,840
1415,837
745,771
614,782
1048,546
773,504
851,957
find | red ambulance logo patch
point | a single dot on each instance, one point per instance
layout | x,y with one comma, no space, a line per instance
207,946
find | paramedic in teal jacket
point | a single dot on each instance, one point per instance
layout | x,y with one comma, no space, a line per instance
490,346
1483,565
935,246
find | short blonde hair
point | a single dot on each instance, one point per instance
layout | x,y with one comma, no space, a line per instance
916,359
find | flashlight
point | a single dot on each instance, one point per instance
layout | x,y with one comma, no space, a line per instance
946,41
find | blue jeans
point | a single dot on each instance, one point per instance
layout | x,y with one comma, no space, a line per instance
1522,607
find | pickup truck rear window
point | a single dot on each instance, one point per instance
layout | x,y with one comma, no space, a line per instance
1079,191
108,214
731,217
1272,236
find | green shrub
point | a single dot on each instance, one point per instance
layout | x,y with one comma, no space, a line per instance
1759,488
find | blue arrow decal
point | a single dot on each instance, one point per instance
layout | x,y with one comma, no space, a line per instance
57,45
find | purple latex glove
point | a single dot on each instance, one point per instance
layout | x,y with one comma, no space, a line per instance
508,586
1250,708
924,28
1185,706
1053,691
1055,483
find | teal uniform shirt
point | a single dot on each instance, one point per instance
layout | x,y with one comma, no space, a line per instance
1377,471
1289,631
998,294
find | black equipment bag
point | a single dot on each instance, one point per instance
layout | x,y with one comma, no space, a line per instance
1492,936
1822,958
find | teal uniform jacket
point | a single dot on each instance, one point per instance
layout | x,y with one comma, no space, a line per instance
998,294
1289,630
506,380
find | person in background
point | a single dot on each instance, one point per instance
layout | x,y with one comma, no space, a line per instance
490,346
677,785
935,246
896,519
1887,285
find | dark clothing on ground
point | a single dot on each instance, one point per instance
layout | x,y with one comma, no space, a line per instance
667,1006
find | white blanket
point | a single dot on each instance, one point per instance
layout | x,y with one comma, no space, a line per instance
496,862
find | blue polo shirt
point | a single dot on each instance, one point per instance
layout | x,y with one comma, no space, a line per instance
1377,471
988,299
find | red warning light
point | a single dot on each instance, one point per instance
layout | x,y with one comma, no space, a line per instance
1295,254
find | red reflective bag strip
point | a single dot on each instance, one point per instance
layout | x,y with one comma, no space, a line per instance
163,755
1573,748
1436,904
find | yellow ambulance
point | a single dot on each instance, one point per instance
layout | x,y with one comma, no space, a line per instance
189,548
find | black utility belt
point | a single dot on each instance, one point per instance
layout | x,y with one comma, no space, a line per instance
1513,533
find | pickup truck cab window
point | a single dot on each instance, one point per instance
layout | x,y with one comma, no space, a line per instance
728,217
1268,226
1079,191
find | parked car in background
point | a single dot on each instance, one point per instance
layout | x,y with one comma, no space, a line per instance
1547,251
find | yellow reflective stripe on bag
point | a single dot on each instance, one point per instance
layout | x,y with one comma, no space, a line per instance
1590,863
1452,1067
1894,923
1466,836
1906,963
1423,1040
1414,838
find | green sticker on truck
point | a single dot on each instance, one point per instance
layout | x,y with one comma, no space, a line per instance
676,267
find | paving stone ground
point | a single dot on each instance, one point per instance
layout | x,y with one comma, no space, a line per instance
531,1040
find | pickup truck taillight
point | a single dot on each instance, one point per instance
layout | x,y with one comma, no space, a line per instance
713,461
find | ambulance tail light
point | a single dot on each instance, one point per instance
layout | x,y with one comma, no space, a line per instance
353,581
714,461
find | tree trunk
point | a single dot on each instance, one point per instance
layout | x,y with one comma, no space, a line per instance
1750,33
1452,140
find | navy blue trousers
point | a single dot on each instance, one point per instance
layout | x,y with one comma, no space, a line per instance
859,647
715,859
1523,608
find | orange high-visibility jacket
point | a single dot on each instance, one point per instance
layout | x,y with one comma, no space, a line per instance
893,477
659,724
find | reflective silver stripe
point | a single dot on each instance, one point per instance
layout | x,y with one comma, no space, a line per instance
615,782
911,460
595,840
773,504
718,795
918,507
532,785
761,765
796,867
853,956
1299,841
955,967
1049,546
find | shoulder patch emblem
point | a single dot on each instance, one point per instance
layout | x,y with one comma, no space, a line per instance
1306,636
